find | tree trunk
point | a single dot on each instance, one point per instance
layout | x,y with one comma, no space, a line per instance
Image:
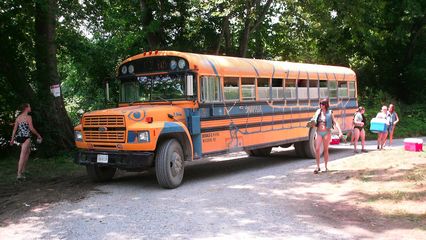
55,126
251,25
153,37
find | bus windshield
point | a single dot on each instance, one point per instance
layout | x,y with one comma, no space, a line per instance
153,88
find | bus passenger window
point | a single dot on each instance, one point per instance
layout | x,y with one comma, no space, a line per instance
352,89
231,88
302,89
332,87
210,89
277,88
323,89
290,89
263,88
248,89
313,89
343,89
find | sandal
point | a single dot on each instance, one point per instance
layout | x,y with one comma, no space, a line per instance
316,171
364,151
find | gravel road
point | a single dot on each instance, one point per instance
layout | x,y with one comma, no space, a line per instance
228,197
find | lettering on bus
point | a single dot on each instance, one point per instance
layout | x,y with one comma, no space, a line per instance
251,109
209,137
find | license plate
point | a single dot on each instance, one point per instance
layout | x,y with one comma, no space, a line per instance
102,158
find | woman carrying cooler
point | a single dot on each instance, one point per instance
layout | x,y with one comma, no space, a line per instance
381,139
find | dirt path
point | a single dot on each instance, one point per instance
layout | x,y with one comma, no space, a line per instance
374,195
378,195
21,197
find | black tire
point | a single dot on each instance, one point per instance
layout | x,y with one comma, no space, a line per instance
250,153
286,145
169,164
309,146
299,147
261,152
100,174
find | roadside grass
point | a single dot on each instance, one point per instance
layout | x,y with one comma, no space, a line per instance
38,169
394,184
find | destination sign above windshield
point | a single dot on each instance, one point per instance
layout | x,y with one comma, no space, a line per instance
152,65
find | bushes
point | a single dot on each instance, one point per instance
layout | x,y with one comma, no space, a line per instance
412,117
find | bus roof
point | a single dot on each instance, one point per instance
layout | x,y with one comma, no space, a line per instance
246,67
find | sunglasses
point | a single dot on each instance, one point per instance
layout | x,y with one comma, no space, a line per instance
323,103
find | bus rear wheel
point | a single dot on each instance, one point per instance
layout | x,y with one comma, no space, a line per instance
100,174
261,152
299,147
169,164
306,149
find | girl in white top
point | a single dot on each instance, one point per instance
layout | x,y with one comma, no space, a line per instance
381,139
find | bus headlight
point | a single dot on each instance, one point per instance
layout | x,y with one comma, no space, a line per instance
131,69
143,136
78,137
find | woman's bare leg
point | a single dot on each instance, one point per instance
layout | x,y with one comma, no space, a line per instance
391,135
356,138
326,142
318,142
363,139
385,136
27,156
23,157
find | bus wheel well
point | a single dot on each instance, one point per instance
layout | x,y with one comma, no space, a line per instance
182,139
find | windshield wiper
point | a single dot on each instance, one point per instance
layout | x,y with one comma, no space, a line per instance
161,98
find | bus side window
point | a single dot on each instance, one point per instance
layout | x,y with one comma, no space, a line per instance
231,88
332,87
352,89
210,89
302,89
323,89
248,89
277,88
263,88
313,89
343,89
290,89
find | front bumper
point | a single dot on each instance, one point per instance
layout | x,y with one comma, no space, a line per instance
123,160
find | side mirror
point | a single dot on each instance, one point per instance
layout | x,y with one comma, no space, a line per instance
189,85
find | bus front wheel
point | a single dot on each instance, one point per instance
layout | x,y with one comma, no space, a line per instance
100,174
169,164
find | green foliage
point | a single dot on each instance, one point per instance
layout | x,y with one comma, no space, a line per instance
383,41
412,117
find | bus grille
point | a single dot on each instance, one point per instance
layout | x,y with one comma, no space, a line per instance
108,129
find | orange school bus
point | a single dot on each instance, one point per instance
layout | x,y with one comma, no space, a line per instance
177,107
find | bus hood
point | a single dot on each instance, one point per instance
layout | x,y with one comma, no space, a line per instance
158,112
